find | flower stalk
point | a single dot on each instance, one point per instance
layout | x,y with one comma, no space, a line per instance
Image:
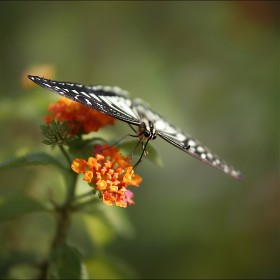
63,215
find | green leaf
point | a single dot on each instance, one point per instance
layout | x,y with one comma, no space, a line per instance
65,263
31,159
98,230
113,216
109,267
83,148
128,147
14,205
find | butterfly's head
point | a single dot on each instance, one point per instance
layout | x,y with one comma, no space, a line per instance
147,130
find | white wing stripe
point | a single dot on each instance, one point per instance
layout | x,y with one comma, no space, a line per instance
119,104
92,95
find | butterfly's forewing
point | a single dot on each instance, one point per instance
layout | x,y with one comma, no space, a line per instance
111,101
197,150
186,143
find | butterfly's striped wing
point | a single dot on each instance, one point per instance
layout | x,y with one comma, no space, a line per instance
185,142
111,101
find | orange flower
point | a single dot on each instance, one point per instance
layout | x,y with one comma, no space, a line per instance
79,166
80,118
111,174
113,154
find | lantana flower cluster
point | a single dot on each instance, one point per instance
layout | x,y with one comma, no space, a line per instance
80,118
110,173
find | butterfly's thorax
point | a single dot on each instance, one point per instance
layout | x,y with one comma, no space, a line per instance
146,130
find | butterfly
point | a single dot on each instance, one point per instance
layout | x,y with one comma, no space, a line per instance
115,102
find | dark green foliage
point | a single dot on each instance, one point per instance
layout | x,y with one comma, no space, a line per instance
57,133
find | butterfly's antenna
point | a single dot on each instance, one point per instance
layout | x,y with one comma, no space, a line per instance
132,135
116,143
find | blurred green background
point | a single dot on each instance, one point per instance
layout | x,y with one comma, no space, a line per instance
210,67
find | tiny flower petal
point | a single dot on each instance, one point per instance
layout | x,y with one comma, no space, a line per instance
79,165
99,157
121,202
128,175
101,185
88,176
93,163
108,198
129,196
113,188
136,180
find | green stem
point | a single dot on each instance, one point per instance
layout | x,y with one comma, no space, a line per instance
84,195
63,215
65,154
83,204
71,188
72,183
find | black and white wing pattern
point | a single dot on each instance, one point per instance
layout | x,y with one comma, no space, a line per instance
181,140
115,102
112,101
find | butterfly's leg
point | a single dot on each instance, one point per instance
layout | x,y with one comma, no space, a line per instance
133,135
144,148
132,154
144,152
